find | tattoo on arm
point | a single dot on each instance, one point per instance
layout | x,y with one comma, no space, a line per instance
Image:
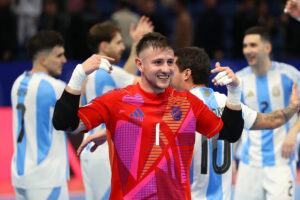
274,119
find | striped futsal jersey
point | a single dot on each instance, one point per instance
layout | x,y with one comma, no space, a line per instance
211,169
266,94
97,183
151,139
40,151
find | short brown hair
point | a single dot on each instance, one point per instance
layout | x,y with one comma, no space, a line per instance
260,30
197,60
100,32
154,39
43,40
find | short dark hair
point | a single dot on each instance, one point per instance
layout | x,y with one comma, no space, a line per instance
260,30
101,32
43,40
154,39
197,60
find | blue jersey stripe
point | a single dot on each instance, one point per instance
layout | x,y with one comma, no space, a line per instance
21,146
54,193
107,194
106,80
213,192
192,172
263,98
83,99
45,99
245,151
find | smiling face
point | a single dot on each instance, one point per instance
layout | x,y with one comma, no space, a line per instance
256,50
157,68
54,61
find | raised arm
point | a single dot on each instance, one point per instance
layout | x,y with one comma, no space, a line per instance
232,114
66,108
292,7
278,117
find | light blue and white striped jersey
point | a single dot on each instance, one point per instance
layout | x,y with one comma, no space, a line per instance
40,152
266,94
211,169
98,83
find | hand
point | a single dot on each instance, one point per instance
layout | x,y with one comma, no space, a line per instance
292,7
295,96
289,144
93,63
98,138
143,27
225,76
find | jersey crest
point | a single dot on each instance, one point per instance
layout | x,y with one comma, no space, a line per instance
176,113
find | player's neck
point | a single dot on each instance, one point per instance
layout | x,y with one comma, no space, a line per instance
191,86
104,54
262,68
38,68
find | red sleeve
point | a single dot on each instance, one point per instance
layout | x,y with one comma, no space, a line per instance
97,111
208,123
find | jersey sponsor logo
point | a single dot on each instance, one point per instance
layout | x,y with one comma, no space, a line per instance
137,113
250,94
275,91
176,113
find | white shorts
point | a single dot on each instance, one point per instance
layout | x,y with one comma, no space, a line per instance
269,183
96,173
54,193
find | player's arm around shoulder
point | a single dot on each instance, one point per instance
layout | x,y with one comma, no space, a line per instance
232,114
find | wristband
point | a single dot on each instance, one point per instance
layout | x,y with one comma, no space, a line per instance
234,94
77,78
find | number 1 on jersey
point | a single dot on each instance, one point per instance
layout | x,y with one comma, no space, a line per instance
157,134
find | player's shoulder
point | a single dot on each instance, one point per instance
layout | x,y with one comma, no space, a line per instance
244,72
54,82
20,77
220,96
283,67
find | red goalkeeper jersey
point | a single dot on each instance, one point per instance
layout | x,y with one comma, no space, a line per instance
151,139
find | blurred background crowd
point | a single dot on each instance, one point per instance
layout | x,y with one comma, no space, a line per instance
215,25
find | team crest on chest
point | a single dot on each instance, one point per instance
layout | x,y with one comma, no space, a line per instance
176,113
275,91
206,93
250,94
